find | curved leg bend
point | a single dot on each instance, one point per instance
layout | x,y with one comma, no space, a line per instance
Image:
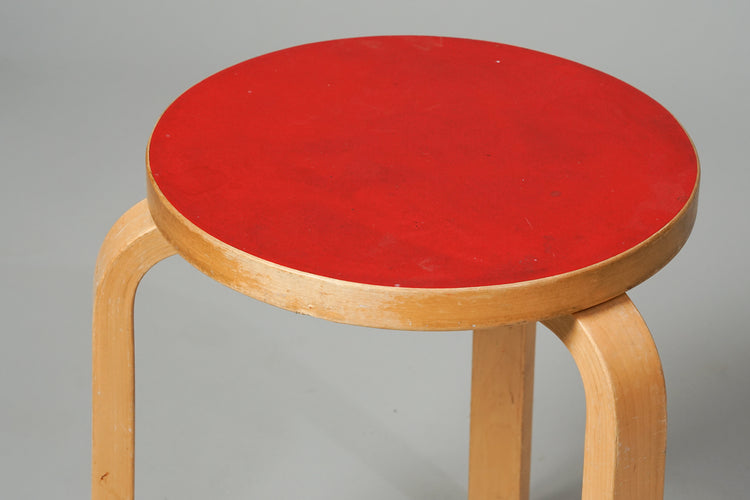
501,403
133,245
626,420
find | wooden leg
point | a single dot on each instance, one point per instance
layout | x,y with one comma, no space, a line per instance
501,405
626,421
132,246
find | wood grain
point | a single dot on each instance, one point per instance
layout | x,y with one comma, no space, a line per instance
501,410
626,426
133,245
625,396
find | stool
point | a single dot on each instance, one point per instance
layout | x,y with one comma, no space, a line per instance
422,183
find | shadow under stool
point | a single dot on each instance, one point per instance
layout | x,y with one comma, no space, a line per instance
422,183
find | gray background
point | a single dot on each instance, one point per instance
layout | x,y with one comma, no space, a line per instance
237,399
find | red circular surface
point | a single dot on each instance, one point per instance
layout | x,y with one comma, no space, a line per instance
422,161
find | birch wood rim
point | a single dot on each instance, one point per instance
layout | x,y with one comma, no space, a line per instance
427,309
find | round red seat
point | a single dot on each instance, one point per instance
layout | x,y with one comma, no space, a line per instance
424,163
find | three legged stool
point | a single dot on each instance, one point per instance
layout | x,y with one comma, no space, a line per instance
422,183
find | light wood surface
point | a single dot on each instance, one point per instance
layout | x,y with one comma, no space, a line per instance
424,309
619,365
132,246
501,408
626,426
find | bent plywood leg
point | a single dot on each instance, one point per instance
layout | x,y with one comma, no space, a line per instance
626,421
132,246
501,406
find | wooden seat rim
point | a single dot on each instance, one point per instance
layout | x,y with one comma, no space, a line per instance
426,309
